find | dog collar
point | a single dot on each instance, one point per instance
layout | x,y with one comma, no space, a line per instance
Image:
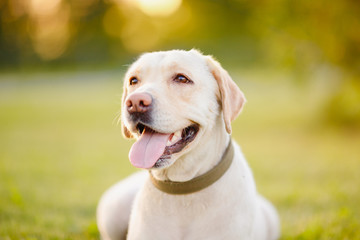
200,182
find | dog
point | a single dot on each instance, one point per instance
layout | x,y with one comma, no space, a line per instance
196,184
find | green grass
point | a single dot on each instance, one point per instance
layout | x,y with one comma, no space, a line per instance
60,149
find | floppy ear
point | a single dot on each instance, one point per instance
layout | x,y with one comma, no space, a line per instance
232,98
125,130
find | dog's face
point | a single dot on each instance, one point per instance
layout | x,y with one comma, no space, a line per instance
170,100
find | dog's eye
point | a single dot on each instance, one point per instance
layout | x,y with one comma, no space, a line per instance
182,79
133,81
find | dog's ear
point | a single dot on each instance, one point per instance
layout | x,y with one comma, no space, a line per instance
232,98
125,130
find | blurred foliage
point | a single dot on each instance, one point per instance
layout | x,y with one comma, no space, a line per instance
315,40
286,33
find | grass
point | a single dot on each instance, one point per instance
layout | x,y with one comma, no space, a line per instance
60,149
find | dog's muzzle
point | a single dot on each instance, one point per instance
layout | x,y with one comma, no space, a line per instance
139,107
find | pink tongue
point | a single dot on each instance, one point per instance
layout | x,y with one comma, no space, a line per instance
148,149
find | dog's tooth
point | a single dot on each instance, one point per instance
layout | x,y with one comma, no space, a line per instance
177,134
174,139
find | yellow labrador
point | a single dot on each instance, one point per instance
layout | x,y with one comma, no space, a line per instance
179,105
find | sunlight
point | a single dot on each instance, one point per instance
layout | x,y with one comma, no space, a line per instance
44,7
158,7
49,28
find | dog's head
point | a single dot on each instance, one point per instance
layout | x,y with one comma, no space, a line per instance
170,100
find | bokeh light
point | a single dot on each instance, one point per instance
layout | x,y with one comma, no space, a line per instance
49,27
158,7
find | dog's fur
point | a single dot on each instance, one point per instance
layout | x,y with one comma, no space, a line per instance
230,208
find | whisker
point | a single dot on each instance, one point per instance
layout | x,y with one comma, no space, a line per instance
117,118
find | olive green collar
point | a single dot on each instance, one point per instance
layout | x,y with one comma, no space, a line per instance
200,182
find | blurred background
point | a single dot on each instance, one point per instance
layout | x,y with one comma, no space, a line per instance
61,69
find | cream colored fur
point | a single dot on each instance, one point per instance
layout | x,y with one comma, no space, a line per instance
231,208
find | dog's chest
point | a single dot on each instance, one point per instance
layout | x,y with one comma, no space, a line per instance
219,209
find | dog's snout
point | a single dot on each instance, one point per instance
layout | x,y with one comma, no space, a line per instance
138,102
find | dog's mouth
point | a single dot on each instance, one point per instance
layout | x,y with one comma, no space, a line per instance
153,148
